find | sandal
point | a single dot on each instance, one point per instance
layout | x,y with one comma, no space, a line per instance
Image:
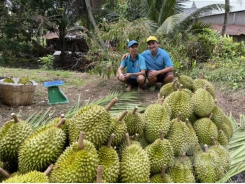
152,88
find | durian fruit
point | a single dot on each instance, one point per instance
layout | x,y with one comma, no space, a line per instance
41,149
222,138
181,171
194,144
179,136
156,117
24,80
134,123
203,102
31,177
93,119
167,89
123,145
161,178
159,152
207,168
100,175
119,129
200,83
77,164
205,129
228,127
12,135
186,81
108,158
180,101
8,80
222,153
135,165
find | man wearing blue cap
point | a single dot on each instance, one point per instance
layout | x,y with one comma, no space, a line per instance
135,68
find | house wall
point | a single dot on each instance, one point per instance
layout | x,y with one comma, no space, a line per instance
236,18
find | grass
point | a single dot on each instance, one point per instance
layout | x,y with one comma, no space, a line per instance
71,78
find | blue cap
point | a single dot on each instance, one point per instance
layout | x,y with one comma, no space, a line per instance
132,42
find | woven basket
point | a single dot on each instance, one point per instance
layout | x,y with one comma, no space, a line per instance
17,94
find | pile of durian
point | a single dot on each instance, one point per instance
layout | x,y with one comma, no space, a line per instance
182,138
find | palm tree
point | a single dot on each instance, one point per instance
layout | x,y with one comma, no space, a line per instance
227,3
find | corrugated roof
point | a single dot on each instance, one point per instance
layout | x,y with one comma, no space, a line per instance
230,29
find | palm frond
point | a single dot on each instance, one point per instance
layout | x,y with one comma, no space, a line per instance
184,24
169,24
236,149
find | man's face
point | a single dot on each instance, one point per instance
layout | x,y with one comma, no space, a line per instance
133,49
152,45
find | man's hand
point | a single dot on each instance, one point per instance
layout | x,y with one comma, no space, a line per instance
127,75
121,77
124,56
153,73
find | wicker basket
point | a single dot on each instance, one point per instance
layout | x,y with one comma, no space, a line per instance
17,94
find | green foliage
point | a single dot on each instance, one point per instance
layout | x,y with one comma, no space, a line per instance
47,62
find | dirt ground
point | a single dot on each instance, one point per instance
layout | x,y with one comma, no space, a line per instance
96,88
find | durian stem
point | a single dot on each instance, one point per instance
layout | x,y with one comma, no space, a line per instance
16,120
99,174
62,121
205,148
5,173
179,117
177,75
80,140
161,135
213,140
49,169
174,82
110,140
180,87
187,121
127,139
205,87
135,109
112,102
62,116
183,157
211,115
122,116
160,100
164,167
200,75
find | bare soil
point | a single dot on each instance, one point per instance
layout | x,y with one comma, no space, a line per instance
96,88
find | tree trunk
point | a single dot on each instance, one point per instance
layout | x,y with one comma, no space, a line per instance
227,4
91,17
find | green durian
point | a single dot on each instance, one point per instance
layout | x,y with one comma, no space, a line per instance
24,80
185,80
161,178
8,80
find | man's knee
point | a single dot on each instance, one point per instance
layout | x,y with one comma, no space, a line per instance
168,79
141,79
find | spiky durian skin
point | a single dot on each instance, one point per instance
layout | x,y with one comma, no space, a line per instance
179,137
157,178
12,135
182,172
223,154
41,149
180,101
76,166
160,152
194,144
205,129
142,140
30,177
186,81
24,80
156,117
222,138
123,146
109,159
167,89
227,127
203,103
205,166
94,120
200,83
8,80
135,165
134,123
118,128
